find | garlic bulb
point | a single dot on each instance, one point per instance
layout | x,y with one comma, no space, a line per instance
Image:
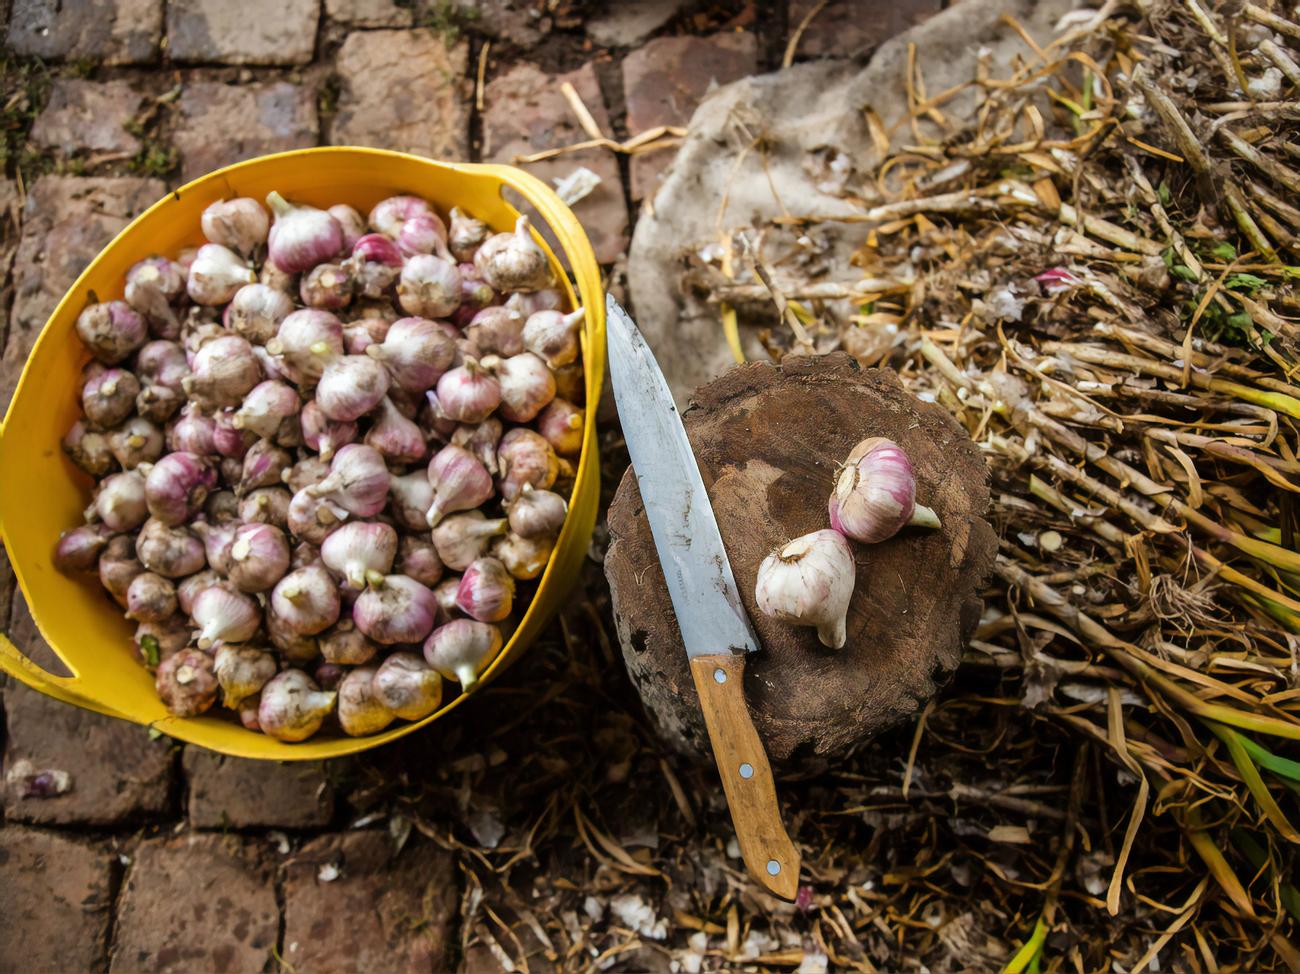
266,407
468,393
312,518
256,312
306,600
459,481
486,591
875,493
525,458
352,223
462,649
408,686
461,538
350,386
358,481
497,331
389,214
466,234
301,236
223,371
416,353
176,486
428,286
328,286
239,224
808,582
527,385
120,502
411,495
79,548
292,707
259,557
111,331
360,711
242,671
108,397
513,261
216,274
150,598
481,440
524,558
89,449
186,683
224,615
171,551
362,552
190,586
118,567
553,336
263,466
417,558
396,438
265,505
561,423
396,610
346,645
153,285
322,434
158,641
423,233
306,341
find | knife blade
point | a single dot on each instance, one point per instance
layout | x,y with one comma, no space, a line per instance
716,632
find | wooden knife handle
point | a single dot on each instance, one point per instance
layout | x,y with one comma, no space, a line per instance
771,857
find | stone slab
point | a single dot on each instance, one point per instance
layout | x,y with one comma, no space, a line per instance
223,124
404,90
848,28
200,902
103,31
351,905
369,13
55,894
242,31
88,116
226,792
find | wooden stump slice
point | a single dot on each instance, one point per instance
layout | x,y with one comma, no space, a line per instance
768,441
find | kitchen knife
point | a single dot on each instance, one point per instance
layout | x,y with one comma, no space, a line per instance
715,629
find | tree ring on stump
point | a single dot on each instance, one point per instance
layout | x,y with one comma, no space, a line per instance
768,441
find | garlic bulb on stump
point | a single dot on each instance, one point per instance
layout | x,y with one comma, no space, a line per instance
809,582
875,494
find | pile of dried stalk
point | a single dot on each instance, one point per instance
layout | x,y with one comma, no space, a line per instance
1097,279
1094,279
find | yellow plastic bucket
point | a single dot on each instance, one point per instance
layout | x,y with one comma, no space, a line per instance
42,493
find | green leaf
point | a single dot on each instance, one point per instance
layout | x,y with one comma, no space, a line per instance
1164,193
1182,272
1267,759
1245,282
150,650
1223,251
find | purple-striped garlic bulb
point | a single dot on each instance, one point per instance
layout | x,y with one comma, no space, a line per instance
256,312
111,331
177,485
875,493
416,353
461,538
216,275
525,457
242,671
346,645
469,393
397,610
350,386
306,600
267,408
513,261
561,424
239,224
417,558
301,236
497,330
120,502
460,483
151,598
486,591
398,439
466,234
428,286
223,371
306,342
809,582
322,434
462,649
259,557
553,336
186,683
537,513
136,442
358,481
361,552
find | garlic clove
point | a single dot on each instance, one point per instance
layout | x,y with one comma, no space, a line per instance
292,707
809,582
462,649
407,686
186,683
360,711
482,440
242,671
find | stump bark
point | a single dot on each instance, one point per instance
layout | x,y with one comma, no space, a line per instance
768,441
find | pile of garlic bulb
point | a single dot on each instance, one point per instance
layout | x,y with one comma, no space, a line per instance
809,581
326,448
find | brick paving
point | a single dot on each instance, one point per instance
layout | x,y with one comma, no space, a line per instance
150,856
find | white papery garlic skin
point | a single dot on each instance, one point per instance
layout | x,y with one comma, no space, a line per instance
808,582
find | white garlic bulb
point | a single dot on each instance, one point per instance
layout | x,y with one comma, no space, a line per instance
808,582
